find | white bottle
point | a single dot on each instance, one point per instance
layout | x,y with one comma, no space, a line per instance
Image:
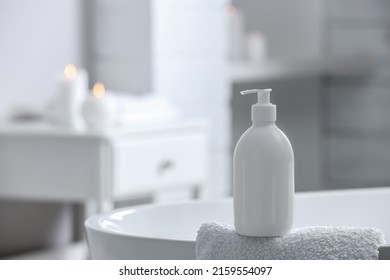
263,174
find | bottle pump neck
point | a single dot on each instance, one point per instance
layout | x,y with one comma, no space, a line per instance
263,110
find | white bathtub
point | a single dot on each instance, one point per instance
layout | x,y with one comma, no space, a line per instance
169,231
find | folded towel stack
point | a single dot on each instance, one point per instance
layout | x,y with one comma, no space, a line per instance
216,241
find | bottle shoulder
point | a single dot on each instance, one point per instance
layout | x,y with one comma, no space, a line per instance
265,140
263,134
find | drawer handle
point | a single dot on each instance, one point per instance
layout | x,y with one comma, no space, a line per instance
165,166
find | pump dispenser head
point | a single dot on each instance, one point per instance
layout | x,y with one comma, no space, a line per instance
263,110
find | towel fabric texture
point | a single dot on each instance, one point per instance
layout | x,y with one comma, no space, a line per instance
216,241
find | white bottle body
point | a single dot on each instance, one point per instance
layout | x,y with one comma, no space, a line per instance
263,182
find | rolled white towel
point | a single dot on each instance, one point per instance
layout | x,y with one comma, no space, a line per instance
216,241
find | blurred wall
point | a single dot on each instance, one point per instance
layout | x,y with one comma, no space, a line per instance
339,126
292,28
119,44
37,39
357,130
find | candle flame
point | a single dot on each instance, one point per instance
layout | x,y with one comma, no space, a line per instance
231,10
70,71
98,90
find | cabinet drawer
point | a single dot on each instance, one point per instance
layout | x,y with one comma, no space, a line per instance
360,161
143,166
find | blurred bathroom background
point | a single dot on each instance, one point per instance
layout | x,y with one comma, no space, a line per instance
326,61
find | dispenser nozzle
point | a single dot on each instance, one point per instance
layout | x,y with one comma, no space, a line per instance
263,110
262,94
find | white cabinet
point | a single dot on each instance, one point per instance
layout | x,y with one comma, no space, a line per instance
152,164
51,164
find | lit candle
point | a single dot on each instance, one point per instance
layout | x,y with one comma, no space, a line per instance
98,109
72,87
